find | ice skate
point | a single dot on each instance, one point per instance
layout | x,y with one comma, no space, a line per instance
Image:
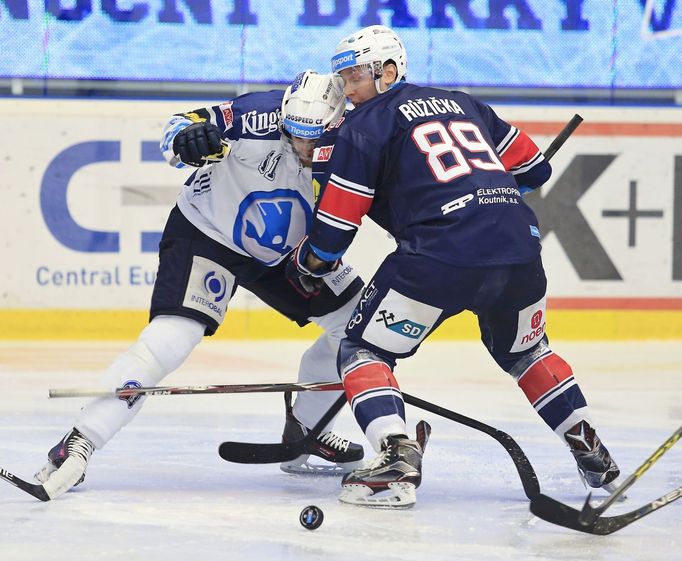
344,456
397,469
595,465
66,464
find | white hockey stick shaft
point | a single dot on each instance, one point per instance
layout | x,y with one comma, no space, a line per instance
196,390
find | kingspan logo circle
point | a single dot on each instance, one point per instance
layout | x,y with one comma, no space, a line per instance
215,286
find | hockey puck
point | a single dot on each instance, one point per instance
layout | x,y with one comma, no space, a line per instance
311,517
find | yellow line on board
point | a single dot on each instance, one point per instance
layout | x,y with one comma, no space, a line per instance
575,325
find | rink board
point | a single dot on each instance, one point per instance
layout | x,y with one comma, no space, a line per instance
89,195
572,325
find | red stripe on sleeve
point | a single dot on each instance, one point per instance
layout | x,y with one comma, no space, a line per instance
544,375
522,150
344,205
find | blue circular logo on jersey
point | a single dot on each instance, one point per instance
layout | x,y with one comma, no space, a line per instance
270,224
215,286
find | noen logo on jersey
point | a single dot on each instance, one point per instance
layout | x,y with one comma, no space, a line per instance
404,327
260,124
343,60
215,286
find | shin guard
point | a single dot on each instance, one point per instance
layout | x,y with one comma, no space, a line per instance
549,385
375,398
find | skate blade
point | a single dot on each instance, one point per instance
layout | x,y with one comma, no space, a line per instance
404,495
301,466
611,488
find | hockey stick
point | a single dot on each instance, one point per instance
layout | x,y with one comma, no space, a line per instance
286,452
251,453
589,513
558,513
589,519
562,137
191,390
254,453
38,491
529,480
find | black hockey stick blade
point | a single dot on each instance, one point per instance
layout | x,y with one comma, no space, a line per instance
558,513
255,453
590,512
529,479
562,137
38,491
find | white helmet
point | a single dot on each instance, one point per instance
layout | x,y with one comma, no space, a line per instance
311,103
372,46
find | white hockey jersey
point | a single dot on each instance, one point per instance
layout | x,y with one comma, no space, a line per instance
258,200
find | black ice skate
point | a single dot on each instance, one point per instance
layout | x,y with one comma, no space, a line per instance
595,465
397,468
343,454
66,465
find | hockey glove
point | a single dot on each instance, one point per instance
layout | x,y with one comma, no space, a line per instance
200,143
308,280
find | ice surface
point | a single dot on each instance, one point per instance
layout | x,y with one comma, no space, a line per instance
159,491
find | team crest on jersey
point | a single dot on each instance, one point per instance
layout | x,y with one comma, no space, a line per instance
269,224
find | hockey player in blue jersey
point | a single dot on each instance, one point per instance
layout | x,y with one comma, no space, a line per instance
237,218
442,173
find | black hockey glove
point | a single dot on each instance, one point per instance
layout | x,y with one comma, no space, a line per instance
200,143
305,280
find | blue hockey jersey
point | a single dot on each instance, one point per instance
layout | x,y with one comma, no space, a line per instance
438,170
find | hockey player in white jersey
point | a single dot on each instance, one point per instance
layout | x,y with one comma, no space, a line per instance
237,218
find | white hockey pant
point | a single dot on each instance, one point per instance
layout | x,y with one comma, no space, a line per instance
318,364
160,349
